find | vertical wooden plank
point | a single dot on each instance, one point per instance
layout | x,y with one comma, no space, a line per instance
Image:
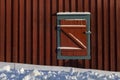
118,32
28,31
80,9
60,5
54,11
80,5
73,5
60,9
86,5
67,5
106,34
99,34
112,35
41,32
93,35
2,30
48,34
73,63
15,30
67,9
34,32
86,9
21,31
8,30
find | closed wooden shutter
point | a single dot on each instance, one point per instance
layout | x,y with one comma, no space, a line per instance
73,37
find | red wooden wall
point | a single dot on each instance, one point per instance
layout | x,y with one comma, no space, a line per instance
28,32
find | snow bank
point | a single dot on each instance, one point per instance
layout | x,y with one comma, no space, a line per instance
35,72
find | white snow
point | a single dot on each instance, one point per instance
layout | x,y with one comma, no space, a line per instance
5,68
63,13
22,70
39,72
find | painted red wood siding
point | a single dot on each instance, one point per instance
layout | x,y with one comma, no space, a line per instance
28,32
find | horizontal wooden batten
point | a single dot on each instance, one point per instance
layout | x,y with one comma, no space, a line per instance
71,26
72,48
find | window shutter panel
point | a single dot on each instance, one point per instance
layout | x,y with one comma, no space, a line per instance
73,37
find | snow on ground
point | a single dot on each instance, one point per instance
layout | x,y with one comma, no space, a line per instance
15,71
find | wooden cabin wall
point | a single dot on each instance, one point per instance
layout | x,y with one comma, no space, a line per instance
28,32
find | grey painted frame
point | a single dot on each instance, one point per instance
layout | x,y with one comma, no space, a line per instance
73,15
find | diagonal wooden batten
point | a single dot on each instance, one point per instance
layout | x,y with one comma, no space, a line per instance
67,25
76,40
